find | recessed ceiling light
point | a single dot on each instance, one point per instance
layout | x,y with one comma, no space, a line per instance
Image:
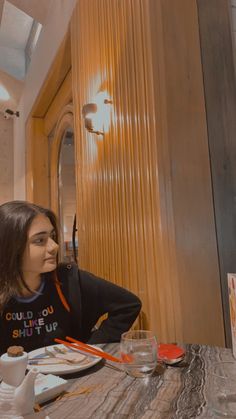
4,95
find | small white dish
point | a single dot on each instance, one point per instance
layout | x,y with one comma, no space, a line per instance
48,386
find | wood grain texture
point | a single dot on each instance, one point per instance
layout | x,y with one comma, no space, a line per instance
187,182
117,176
62,98
220,95
145,208
46,113
37,169
65,121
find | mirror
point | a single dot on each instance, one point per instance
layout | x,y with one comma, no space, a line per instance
67,198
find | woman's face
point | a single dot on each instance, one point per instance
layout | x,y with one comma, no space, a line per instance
41,249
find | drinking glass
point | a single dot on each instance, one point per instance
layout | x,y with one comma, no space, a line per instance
139,352
222,390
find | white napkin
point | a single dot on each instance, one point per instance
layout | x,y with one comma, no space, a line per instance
48,386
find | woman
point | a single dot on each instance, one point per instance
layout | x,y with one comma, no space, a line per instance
41,300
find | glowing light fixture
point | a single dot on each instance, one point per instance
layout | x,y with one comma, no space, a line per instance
97,114
4,95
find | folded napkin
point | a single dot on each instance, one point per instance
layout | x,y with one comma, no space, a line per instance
48,386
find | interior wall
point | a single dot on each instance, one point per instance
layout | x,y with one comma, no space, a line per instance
179,92
144,195
218,70
54,96
51,37
6,160
119,226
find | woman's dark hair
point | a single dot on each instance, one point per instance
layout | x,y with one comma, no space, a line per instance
15,220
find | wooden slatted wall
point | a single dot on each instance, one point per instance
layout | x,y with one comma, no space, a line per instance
127,197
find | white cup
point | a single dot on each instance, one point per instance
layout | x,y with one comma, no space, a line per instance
13,368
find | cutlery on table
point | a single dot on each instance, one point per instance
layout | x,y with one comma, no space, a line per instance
76,344
38,359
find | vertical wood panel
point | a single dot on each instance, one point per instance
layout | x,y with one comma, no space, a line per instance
220,94
144,196
55,93
37,176
187,177
118,179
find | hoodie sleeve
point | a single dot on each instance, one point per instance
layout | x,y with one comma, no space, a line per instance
99,297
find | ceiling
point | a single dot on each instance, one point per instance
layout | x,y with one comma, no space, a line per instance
20,25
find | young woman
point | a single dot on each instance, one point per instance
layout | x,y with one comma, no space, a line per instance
41,300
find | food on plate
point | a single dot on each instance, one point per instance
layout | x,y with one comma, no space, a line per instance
71,357
63,354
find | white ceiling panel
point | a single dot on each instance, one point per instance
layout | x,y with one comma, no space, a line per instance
37,9
15,27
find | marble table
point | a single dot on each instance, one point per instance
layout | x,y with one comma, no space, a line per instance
173,392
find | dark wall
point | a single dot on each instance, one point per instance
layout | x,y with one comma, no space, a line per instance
220,97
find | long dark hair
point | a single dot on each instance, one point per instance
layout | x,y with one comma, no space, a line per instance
15,220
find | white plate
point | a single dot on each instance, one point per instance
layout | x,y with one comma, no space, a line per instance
60,369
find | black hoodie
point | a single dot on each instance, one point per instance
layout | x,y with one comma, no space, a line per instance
70,308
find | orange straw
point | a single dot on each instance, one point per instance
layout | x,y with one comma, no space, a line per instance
87,348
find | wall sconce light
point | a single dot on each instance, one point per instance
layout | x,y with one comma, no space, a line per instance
97,114
88,112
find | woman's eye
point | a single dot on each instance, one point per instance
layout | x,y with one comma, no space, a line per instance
39,241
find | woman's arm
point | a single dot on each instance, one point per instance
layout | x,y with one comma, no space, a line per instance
98,297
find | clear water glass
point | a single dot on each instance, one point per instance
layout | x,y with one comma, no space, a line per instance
222,389
139,352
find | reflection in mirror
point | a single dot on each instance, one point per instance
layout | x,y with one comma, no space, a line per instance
67,198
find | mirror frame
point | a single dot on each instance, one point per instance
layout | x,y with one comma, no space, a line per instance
65,120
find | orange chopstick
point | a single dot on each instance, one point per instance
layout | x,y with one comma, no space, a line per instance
89,349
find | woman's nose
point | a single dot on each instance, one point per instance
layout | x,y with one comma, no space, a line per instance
52,246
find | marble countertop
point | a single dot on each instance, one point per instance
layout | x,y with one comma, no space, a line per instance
173,392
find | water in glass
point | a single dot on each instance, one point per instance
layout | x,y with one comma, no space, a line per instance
139,352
